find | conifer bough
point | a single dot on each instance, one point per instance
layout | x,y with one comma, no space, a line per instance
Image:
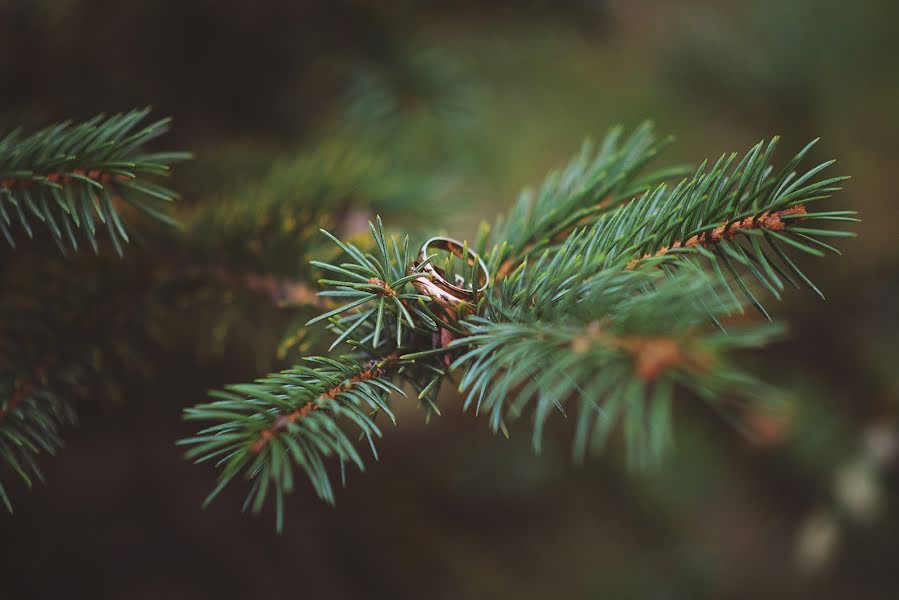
609,291
70,179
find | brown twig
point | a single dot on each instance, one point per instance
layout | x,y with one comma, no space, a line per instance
375,368
62,177
772,221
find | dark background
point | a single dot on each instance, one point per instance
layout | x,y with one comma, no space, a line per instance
490,95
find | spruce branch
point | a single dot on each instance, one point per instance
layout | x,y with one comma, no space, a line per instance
597,180
616,343
69,325
738,217
371,370
34,407
770,221
72,178
292,420
606,288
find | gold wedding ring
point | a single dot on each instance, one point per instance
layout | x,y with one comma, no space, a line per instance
436,285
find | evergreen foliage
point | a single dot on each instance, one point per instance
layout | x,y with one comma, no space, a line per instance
60,321
35,407
81,325
606,289
72,178
271,225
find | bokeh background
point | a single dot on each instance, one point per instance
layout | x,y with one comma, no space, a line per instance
474,100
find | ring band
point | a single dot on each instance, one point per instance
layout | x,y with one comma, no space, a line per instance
457,249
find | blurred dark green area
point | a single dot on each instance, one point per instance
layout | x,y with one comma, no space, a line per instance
475,100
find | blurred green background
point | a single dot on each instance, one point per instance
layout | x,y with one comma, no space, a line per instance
478,99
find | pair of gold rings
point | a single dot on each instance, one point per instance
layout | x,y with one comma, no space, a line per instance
434,283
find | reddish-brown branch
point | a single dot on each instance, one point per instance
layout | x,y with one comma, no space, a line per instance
372,370
61,177
772,221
